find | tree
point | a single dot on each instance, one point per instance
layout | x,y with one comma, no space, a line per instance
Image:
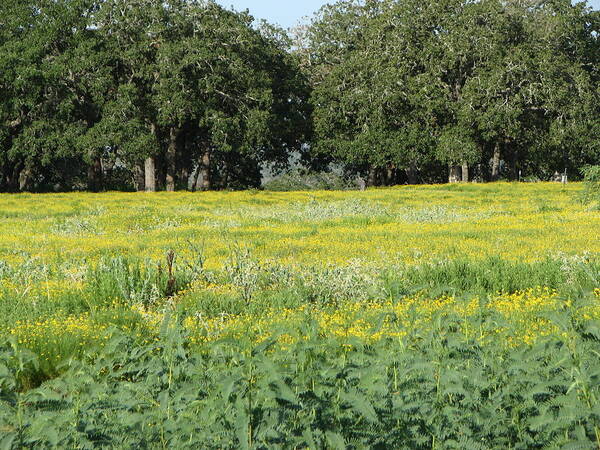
54,75
457,83
213,91
531,102
172,94
162,90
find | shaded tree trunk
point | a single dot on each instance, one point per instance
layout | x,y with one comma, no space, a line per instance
150,174
465,172
203,183
512,157
25,180
411,173
372,177
170,178
226,174
11,174
390,175
184,177
454,175
187,176
138,177
496,162
197,180
95,175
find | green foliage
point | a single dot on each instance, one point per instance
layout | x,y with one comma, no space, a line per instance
569,276
146,94
399,86
591,192
133,282
132,386
91,89
436,388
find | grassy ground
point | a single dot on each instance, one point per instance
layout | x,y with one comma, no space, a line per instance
409,224
398,279
74,265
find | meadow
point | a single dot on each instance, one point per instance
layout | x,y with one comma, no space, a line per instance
454,316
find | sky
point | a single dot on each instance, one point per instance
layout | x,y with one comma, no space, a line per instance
288,13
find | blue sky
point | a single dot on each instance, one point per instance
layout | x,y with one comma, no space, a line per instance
288,12
283,12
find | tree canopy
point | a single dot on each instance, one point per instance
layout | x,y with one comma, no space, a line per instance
185,94
405,86
177,89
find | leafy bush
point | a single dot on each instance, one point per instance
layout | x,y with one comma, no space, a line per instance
132,282
300,180
437,383
591,192
434,387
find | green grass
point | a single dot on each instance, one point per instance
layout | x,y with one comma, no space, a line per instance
378,319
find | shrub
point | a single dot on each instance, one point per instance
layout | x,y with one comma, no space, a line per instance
591,192
300,180
434,385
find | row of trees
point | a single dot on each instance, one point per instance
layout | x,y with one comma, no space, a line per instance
184,94
403,87
166,93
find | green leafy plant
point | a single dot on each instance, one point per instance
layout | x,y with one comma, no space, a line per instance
591,192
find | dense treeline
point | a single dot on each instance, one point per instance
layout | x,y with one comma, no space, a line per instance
184,94
405,87
167,94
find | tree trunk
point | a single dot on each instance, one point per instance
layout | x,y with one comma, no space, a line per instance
150,167
172,159
25,180
454,174
186,174
226,174
150,174
95,175
390,175
512,157
12,177
184,177
465,172
138,177
204,175
197,180
411,173
496,162
372,178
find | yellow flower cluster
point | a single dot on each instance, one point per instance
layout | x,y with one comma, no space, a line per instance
531,301
378,227
48,289
410,224
523,312
373,321
55,337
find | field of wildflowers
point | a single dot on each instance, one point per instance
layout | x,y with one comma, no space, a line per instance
278,295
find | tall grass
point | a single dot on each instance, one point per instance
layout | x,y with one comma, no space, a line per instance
130,295
336,320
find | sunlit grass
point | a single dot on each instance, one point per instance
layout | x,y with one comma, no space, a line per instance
361,265
409,224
